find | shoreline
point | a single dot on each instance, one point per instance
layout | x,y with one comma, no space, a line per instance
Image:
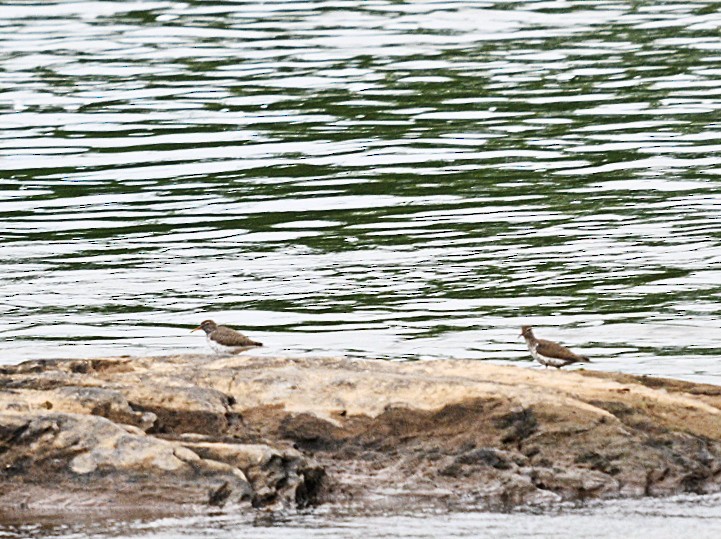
243,433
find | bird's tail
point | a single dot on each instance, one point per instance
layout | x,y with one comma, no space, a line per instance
256,343
586,359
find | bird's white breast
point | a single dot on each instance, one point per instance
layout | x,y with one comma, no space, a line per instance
217,347
545,360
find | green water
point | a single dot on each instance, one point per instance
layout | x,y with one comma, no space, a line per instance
404,180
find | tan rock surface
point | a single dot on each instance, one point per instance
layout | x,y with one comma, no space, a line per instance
189,430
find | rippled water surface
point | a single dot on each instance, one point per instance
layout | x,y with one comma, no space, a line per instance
379,179
674,518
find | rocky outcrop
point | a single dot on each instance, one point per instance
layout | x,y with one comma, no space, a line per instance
240,431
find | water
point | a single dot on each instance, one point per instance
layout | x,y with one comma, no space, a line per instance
402,180
683,516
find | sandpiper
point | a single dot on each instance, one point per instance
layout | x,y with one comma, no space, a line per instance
225,340
549,352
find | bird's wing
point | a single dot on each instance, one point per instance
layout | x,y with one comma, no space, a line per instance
230,337
552,349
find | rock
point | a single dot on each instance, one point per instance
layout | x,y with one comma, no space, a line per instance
76,399
60,448
179,409
276,475
244,431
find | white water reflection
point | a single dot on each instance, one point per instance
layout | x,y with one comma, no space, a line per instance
397,180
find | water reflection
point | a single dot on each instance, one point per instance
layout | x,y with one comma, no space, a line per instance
397,180
680,516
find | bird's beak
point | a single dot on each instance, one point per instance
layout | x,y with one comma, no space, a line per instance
196,329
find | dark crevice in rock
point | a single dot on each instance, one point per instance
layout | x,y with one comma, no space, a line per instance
169,421
220,495
484,456
310,432
519,425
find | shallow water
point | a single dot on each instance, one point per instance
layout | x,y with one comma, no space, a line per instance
683,516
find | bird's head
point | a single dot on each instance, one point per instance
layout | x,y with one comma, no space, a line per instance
526,332
208,326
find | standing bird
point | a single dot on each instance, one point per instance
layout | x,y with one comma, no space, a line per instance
224,340
549,352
